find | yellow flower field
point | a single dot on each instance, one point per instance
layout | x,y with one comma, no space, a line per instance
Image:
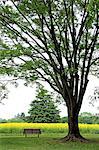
46,127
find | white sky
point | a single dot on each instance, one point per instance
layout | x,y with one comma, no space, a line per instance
19,99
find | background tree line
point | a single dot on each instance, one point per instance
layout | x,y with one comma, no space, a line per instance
92,119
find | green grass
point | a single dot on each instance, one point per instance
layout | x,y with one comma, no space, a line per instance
46,141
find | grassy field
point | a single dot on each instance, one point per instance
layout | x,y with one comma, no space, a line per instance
11,137
46,141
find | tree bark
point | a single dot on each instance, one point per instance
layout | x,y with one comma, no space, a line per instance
73,128
73,124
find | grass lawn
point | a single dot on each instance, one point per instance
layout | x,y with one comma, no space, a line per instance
46,141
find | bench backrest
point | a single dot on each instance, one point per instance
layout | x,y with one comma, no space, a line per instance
31,131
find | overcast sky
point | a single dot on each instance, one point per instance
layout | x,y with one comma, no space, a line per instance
19,99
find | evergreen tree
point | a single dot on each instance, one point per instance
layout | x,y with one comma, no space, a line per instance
43,109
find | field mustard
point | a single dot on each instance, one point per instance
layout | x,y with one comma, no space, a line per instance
46,127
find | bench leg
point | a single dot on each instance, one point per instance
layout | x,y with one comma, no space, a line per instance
25,135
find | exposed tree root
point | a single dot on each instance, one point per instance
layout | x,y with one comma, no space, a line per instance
74,138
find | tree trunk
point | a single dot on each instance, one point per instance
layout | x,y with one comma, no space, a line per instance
73,128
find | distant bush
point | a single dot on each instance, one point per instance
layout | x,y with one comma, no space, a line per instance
89,119
3,121
64,120
17,120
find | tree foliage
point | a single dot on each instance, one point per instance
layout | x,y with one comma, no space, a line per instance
94,98
3,92
43,108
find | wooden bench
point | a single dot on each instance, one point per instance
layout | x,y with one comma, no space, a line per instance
31,131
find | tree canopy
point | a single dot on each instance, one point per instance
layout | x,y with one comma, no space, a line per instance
56,41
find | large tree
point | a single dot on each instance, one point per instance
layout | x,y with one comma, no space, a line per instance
56,41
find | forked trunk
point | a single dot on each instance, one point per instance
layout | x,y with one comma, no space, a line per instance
73,128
